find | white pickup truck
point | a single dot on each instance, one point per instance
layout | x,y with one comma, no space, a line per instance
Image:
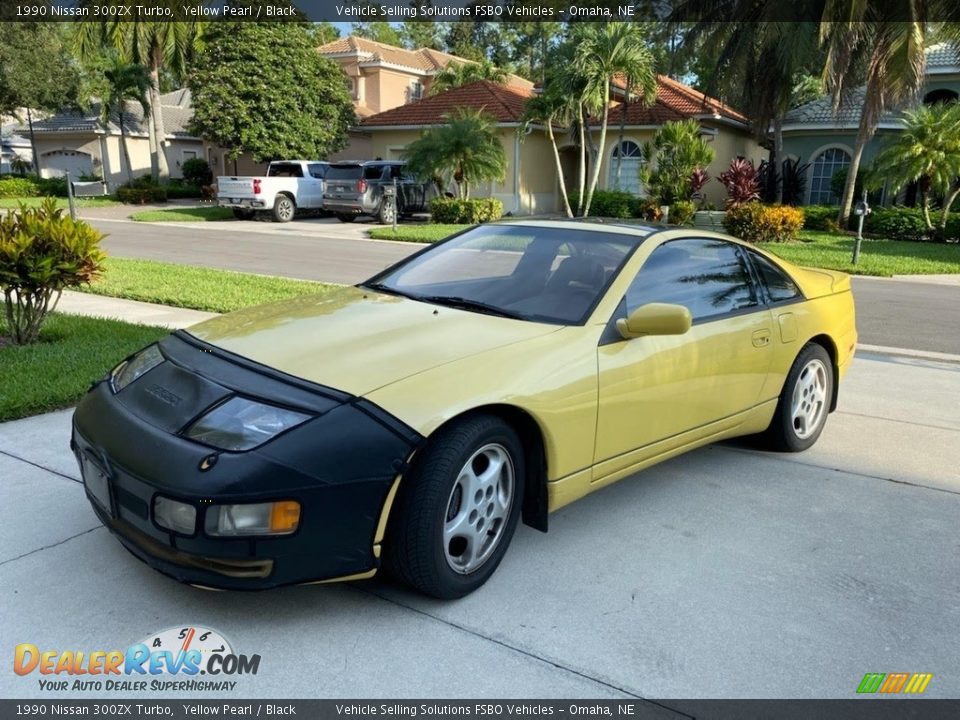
288,186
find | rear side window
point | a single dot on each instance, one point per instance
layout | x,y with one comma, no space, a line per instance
317,170
708,277
285,170
373,172
344,172
780,287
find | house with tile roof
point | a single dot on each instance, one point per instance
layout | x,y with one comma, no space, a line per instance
531,185
816,134
76,141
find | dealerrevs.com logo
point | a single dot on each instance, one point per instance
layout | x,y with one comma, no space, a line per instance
172,660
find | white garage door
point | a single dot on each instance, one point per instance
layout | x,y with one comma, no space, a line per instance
57,162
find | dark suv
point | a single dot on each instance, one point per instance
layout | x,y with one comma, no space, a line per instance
357,188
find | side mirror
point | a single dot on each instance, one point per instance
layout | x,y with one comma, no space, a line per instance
655,319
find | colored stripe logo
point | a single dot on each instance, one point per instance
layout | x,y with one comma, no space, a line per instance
893,683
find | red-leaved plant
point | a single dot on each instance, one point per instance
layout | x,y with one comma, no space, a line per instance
742,182
698,178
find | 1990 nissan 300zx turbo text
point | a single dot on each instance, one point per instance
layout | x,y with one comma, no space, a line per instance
414,419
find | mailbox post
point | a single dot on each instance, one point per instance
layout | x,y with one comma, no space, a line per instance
861,210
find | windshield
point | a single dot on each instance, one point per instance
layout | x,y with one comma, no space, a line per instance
544,274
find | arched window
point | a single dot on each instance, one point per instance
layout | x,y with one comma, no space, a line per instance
942,95
825,166
629,180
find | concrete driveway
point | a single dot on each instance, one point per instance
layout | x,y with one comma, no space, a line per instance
725,573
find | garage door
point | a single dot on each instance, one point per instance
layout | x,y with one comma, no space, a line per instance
57,162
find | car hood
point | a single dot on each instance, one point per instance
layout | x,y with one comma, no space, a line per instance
358,340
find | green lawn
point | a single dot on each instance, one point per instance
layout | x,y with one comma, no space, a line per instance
55,372
194,287
191,214
429,233
82,202
877,257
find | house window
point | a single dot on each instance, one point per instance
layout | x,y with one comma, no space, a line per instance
416,90
630,161
189,155
942,95
825,166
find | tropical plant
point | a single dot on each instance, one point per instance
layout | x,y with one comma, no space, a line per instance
457,74
42,251
294,105
603,52
926,152
741,181
467,150
672,160
758,223
471,212
793,181
159,46
698,180
125,82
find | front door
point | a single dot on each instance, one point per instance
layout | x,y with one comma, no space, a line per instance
656,388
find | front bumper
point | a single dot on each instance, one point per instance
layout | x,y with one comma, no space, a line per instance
339,466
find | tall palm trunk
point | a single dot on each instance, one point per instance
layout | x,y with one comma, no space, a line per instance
864,133
945,213
777,165
598,161
163,168
556,158
33,144
125,146
582,169
623,130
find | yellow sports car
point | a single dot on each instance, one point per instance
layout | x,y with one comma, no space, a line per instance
415,418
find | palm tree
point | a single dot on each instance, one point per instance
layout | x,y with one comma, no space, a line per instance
549,108
677,151
602,52
457,74
126,82
158,46
926,152
467,150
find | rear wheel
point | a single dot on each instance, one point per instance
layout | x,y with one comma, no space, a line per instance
458,508
386,212
804,403
343,217
243,213
284,208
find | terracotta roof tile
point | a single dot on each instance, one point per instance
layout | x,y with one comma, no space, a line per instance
505,103
675,97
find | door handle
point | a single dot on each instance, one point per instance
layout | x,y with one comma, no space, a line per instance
761,338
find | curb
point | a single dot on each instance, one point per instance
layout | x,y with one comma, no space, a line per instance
907,353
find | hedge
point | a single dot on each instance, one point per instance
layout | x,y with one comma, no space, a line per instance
610,204
140,196
14,187
903,223
470,212
759,223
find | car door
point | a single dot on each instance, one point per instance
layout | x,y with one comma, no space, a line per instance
661,392
312,184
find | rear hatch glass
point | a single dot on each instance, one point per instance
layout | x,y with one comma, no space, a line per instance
344,172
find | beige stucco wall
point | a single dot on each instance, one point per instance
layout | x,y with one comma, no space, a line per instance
376,88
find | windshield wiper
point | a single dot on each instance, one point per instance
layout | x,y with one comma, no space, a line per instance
380,287
467,304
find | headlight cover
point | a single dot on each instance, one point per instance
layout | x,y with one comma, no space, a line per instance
242,424
269,518
136,367
174,515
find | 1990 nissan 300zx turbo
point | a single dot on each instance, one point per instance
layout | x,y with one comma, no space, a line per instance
415,418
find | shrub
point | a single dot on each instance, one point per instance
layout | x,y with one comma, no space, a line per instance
759,223
456,211
610,203
897,223
178,190
820,217
42,251
141,195
741,181
682,212
13,187
649,209
196,171
52,187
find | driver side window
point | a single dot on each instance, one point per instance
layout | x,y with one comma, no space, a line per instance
709,277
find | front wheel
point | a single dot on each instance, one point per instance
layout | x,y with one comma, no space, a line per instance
284,208
804,402
458,508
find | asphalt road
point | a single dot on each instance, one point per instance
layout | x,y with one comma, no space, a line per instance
725,573
915,316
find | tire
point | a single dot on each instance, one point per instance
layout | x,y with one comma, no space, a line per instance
386,212
243,213
343,217
804,403
284,208
442,540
